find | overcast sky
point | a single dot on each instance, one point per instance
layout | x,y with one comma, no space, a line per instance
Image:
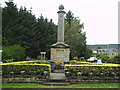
100,17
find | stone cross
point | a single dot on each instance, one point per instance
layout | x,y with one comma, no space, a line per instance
60,35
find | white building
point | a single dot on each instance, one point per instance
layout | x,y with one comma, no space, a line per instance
110,52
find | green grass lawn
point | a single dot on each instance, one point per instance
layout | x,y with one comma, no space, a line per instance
34,85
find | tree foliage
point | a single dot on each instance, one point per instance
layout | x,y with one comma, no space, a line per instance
116,59
69,18
14,53
21,27
103,57
75,37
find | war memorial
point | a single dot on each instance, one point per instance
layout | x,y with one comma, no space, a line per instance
74,72
60,51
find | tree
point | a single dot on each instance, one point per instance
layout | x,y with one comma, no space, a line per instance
69,18
44,35
23,28
9,14
15,53
75,37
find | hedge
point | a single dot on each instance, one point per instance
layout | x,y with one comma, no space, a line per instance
25,70
26,62
92,70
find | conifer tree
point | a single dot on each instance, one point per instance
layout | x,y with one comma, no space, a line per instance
21,27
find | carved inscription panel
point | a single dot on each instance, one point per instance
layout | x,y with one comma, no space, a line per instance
60,54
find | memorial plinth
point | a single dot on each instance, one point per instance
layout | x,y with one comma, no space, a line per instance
60,51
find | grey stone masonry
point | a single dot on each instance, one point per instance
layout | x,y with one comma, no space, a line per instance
60,51
60,35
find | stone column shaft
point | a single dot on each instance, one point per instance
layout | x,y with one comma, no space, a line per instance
60,35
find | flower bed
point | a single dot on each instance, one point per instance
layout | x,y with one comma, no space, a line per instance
92,71
11,71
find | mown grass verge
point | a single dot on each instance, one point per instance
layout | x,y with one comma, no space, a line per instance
34,85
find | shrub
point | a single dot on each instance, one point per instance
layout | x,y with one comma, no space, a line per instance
93,70
103,57
25,70
75,58
41,57
8,60
28,58
28,69
15,52
81,59
25,62
116,59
